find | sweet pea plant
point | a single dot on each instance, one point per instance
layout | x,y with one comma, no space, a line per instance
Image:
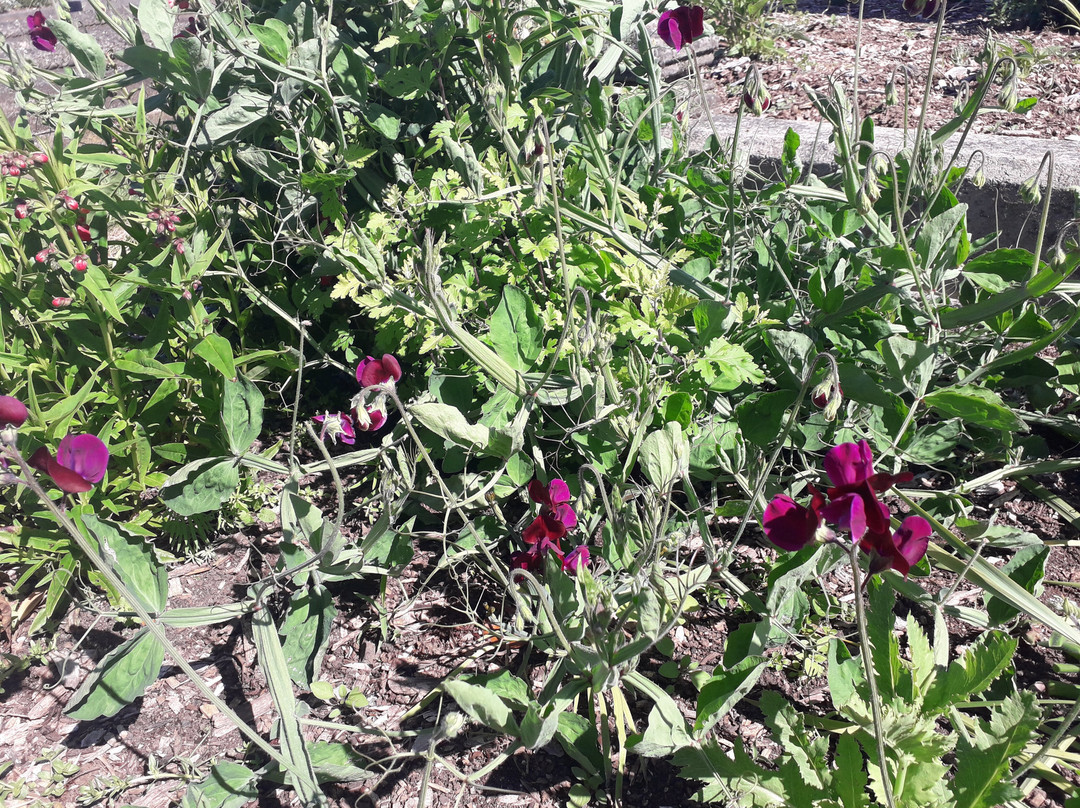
586,360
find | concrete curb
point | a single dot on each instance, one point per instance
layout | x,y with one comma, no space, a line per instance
996,207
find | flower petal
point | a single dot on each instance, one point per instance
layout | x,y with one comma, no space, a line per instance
86,455
912,539
789,525
12,412
849,463
558,493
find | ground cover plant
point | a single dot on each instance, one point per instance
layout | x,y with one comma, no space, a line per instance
440,286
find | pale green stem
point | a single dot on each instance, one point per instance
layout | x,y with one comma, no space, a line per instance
868,667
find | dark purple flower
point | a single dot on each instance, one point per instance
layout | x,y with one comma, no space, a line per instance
12,412
80,462
554,499
791,526
901,550
681,26
372,372
853,503
40,35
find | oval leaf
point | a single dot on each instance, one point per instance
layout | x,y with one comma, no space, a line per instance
134,561
201,486
120,678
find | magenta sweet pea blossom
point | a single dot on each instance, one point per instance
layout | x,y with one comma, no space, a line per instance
576,559
556,517
372,372
791,526
681,26
851,506
900,550
40,35
80,462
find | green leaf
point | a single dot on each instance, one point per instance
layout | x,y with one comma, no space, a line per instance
845,676
306,632
983,763
245,107
217,351
1003,301
907,360
885,645
724,690
976,405
133,559
95,282
120,678
201,486
807,751
228,785
273,41
382,120
537,732
241,413
1027,567
504,684
275,668
156,21
83,47
755,785
761,414
665,456
981,665
482,705
515,329
849,779
447,422
922,657
724,366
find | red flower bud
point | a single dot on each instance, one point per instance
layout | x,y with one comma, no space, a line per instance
41,158
81,262
22,210
12,412
61,302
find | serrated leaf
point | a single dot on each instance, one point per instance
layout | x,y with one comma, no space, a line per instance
981,665
808,752
228,785
884,643
120,678
724,776
482,705
922,657
201,486
241,413
983,764
849,779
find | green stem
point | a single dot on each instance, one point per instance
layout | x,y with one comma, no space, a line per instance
921,126
1051,742
868,666
151,623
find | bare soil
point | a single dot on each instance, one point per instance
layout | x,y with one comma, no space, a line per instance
817,43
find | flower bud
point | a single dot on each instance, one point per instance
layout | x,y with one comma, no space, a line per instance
1030,191
80,262
22,209
755,94
892,97
1059,257
61,302
69,202
41,158
978,179
12,412
43,255
1009,96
